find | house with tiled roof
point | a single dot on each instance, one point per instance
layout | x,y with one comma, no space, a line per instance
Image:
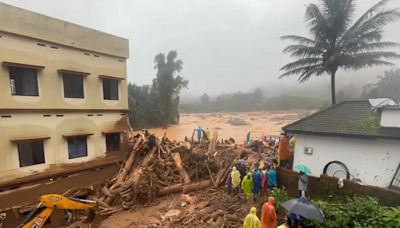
356,140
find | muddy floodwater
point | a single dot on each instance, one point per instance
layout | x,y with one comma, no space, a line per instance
235,124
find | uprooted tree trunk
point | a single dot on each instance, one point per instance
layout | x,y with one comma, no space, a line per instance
178,163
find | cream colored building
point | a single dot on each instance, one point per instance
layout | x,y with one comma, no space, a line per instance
62,91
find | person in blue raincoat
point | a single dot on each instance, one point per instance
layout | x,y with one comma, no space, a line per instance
257,182
248,138
271,178
199,131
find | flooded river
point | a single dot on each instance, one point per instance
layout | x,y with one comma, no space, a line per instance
234,125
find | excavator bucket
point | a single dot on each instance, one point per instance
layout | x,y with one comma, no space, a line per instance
90,217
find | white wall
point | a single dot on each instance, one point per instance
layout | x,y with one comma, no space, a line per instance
372,161
390,118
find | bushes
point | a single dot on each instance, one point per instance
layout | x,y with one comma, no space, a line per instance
358,212
353,212
280,195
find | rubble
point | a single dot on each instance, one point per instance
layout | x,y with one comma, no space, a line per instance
157,167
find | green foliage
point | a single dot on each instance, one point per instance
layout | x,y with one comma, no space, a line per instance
157,105
358,212
338,42
388,86
280,195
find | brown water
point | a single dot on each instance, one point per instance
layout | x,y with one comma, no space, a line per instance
259,123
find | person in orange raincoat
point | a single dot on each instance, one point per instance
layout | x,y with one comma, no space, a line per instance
268,214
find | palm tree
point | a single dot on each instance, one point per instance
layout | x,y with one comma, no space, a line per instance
338,42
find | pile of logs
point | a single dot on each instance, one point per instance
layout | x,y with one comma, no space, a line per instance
220,208
156,167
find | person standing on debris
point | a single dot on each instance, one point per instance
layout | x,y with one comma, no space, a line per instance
303,181
235,177
247,185
268,214
199,131
284,153
251,220
265,179
241,166
271,178
248,138
257,182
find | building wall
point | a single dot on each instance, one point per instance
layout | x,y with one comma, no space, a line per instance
56,148
19,49
390,118
30,24
372,161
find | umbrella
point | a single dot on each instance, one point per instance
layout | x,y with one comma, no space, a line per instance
303,169
306,210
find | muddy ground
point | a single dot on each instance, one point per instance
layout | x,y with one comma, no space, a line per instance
235,124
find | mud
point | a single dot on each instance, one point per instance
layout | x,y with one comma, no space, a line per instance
259,123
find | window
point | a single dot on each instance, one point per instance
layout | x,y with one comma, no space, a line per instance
110,89
112,142
77,147
23,81
30,152
73,85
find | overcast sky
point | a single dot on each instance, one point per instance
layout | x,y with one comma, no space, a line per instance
226,45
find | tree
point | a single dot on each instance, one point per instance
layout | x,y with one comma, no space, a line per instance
205,99
167,85
258,95
338,43
388,86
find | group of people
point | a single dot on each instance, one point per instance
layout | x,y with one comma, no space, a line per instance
268,216
202,134
254,183
284,145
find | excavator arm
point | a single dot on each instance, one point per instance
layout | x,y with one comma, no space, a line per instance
38,217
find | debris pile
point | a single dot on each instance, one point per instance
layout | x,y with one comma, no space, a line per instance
156,167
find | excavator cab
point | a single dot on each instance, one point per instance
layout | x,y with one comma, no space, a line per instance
38,217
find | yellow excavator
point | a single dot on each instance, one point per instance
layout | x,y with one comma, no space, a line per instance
48,203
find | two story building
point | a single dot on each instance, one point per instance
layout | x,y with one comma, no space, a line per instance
63,92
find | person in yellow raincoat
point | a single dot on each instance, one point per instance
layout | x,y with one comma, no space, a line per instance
251,220
247,185
235,177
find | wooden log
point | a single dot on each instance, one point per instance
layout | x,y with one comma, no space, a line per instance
211,177
135,175
197,186
176,188
182,172
130,161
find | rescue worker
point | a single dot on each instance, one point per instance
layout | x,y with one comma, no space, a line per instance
271,178
235,177
265,179
303,181
199,132
284,152
251,220
257,182
268,214
247,185
248,138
